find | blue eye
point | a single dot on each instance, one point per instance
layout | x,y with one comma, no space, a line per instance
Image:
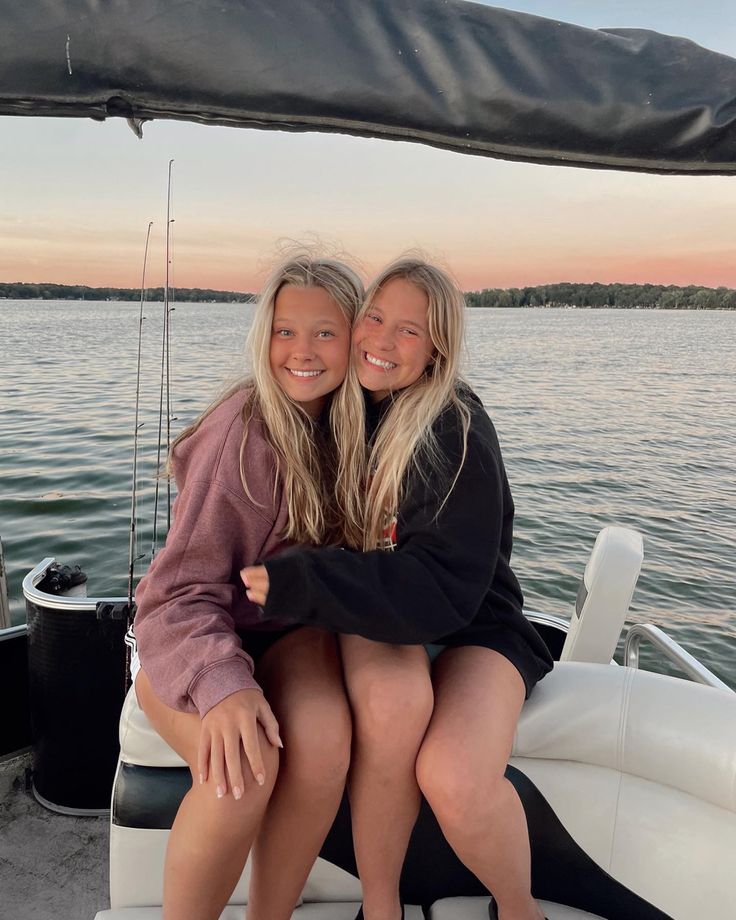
282,333
326,334
373,317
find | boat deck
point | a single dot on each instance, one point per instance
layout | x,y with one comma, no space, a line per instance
51,866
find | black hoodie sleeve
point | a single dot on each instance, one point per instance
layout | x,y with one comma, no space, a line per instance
433,583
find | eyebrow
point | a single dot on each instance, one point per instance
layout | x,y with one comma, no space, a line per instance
317,322
401,322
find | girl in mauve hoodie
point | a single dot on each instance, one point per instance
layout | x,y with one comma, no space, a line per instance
253,473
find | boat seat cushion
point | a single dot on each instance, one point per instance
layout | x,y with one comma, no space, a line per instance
624,760
447,909
336,910
477,909
662,729
139,743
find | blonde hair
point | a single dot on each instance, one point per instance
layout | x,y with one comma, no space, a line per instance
322,481
405,434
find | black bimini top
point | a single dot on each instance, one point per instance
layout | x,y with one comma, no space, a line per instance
453,74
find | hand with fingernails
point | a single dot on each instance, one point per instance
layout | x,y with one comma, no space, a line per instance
227,728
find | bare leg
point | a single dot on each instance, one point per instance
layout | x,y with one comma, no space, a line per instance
302,677
391,697
460,768
210,839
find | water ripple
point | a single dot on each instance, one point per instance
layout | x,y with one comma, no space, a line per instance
605,417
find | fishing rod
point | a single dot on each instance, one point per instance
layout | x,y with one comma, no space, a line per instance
165,384
132,559
168,312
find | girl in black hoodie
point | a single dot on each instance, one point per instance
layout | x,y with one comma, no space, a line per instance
434,577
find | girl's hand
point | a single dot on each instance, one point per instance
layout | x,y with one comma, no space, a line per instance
227,728
255,579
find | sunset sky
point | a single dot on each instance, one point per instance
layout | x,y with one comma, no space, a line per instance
76,197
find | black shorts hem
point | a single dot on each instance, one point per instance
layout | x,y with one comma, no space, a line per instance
256,642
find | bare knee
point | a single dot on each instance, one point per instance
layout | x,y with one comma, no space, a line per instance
463,798
233,818
317,739
304,684
390,703
181,731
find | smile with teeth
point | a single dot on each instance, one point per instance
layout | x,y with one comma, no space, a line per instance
376,362
297,373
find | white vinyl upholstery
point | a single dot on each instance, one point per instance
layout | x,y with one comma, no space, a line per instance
639,768
641,771
137,868
608,586
331,911
139,742
477,909
663,729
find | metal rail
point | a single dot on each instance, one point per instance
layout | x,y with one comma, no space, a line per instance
548,619
4,605
672,651
62,601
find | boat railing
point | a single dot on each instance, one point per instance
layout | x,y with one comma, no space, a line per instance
548,619
4,605
672,651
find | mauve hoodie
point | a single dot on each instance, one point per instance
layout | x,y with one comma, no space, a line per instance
192,599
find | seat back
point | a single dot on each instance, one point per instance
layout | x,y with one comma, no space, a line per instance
641,771
605,593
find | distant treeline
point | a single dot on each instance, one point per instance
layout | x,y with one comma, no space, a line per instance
618,296
18,291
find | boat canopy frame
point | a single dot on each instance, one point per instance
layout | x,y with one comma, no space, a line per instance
453,74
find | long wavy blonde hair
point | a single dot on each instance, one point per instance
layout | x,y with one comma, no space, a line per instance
322,472
405,441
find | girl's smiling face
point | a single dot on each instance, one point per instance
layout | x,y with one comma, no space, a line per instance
310,345
391,342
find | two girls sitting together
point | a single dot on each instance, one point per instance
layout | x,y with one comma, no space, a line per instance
335,603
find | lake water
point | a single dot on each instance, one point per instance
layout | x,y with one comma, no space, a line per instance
604,416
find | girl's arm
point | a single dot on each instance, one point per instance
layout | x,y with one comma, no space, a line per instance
433,583
184,627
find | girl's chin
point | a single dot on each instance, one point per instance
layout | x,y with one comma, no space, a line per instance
372,385
376,391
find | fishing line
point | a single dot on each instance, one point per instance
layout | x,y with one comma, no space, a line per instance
132,558
165,383
168,311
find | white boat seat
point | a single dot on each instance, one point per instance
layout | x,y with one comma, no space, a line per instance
446,909
139,742
635,772
604,596
640,769
330,911
477,909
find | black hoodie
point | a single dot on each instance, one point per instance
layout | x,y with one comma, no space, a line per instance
449,580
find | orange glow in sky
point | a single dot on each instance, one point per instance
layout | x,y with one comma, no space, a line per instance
76,197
